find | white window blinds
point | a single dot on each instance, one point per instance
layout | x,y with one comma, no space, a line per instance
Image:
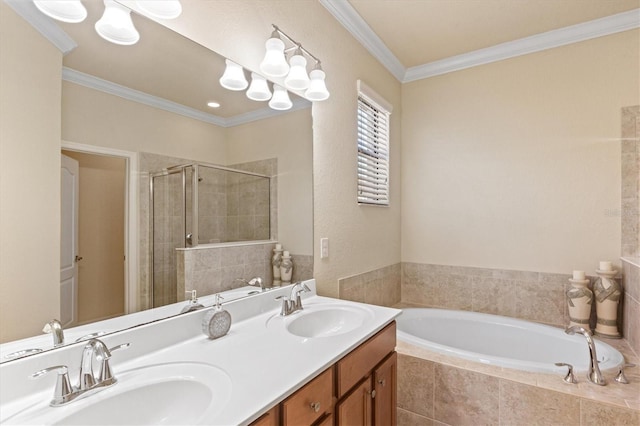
373,149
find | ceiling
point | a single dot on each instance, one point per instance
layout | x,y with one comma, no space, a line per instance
408,34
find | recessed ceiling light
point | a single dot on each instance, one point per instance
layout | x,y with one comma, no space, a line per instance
213,104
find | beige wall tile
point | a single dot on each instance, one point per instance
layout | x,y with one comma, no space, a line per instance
415,385
523,404
407,418
594,414
494,296
464,397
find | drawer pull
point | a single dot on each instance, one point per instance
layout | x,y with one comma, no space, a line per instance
315,406
372,393
381,382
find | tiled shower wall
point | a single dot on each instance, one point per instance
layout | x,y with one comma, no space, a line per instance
241,207
210,270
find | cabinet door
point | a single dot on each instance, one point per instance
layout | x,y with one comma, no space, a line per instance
385,386
355,409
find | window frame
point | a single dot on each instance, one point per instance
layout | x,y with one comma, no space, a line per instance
378,143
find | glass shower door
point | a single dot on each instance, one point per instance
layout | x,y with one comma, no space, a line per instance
169,232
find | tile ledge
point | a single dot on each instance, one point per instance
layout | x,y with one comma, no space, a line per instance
635,261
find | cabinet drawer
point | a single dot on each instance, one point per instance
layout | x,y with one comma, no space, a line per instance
357,364
311,402
270,418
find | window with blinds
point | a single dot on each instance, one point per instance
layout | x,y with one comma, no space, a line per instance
373,152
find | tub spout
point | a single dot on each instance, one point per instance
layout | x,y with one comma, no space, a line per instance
594,375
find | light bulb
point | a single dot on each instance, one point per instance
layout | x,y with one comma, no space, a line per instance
259,89
317,90
280,100
161,9
297,79
116,25
233,77
71,11
274,63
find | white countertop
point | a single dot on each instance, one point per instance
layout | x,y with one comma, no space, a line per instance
264,362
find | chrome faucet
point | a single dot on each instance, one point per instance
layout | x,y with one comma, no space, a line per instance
89,383
254,282
293,303
594,375
55,328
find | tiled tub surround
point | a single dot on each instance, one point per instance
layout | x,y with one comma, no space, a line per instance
630,168
378,287
533,296
631,302
439,389
212,269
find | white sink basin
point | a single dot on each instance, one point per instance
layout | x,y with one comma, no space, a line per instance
173,393
326,320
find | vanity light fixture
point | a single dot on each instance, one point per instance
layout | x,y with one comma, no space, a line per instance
116,25
280,100
233,77
317,90
259,88
161,9
71,11
275,65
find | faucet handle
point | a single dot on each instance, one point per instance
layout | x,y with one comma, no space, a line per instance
63,388
569,378
621,378
106,374
54,327
286,305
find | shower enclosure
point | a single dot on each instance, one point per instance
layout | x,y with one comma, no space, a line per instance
199,203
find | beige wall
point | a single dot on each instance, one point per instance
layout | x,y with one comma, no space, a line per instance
29,178
95,118
101,236
294,149
360,238
516,164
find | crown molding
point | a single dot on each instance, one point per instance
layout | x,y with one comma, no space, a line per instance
260,114
43,24
353,22
563,36
114,89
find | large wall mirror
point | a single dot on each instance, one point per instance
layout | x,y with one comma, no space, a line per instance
136,118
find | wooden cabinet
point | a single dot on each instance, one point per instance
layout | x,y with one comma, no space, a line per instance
385,386
311,403
270,418
363,383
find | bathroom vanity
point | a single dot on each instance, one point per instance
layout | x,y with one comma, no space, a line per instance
333,361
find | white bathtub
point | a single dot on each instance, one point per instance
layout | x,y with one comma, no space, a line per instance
501,341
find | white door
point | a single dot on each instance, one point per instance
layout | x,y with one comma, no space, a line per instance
69,188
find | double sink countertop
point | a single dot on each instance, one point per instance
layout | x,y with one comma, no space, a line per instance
263,359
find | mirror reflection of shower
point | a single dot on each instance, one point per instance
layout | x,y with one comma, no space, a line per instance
197,203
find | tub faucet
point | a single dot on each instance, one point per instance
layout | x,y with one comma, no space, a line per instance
254,282
55,328
594,375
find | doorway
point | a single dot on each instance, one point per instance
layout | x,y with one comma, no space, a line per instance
102,257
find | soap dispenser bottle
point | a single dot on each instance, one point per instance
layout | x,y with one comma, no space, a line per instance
217,321
193,304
